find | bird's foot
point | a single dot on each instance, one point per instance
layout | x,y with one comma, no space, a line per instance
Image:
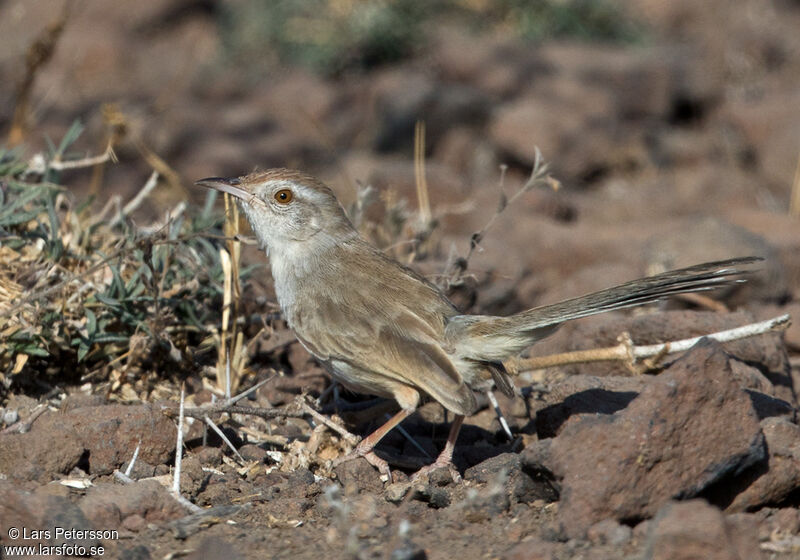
366,451
426,471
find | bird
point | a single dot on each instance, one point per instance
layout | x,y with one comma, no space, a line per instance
380,328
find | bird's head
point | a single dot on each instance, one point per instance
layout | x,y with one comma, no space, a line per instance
287,210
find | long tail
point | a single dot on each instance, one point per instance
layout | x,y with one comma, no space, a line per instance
493,339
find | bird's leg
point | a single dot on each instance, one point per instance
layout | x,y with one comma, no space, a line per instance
365,446
445,458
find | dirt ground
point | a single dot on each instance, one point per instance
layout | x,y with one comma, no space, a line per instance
678,147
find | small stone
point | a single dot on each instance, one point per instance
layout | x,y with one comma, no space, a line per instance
609,531
695,529
395,492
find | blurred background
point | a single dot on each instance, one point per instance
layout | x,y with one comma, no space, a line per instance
673,127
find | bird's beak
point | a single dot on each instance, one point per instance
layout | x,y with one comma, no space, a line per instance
233,186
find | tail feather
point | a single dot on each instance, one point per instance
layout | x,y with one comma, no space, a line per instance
497,338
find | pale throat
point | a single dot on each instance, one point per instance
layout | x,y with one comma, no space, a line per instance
293,261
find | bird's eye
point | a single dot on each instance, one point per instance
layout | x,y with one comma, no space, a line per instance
284,196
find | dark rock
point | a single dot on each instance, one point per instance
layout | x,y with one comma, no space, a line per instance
359,474
402,98
772,480
695,529
507,468
582,394
209,456
435,496
408,551
253,453
690,427
42,511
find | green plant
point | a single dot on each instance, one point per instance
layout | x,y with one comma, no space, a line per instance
84,294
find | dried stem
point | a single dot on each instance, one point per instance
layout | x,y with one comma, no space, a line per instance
627,352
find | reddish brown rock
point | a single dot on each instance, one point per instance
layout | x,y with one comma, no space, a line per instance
98,438
111,433
688,428
40,455
109,505
695,529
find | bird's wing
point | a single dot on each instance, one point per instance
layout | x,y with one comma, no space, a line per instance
401,347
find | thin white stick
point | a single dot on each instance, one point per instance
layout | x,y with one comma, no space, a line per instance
626,352
753,329
137,200
499,413
176,479
350,438
133,459
224,438
243,394
38,163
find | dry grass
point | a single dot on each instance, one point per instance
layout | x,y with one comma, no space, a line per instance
88,296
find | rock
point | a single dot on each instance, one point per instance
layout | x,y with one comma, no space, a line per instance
402,97
41,454
772,480
564,120
785,521
42,511
253,452
695,529
688,428
609,531
100,438
108,505
493,63
771,131
396,491
358,474
507,468
583,394
111,433
193,477
677,247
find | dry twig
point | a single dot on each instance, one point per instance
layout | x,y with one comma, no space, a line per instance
627,352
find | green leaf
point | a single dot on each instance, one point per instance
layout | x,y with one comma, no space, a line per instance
91,323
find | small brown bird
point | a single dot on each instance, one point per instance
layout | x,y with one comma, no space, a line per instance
380,328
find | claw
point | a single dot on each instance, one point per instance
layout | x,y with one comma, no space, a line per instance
367,453
425,471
